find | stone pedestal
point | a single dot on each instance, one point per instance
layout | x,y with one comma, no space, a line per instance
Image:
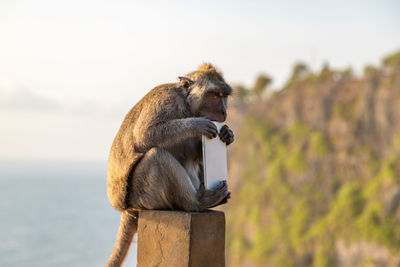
181,239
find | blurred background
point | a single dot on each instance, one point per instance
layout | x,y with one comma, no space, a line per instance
314,171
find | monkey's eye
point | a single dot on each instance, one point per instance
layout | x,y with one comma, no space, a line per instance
214,94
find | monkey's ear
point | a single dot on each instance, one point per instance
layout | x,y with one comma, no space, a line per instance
185,82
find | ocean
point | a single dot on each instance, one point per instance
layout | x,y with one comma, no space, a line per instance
55,213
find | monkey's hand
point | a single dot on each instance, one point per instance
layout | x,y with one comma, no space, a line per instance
205,127
226,135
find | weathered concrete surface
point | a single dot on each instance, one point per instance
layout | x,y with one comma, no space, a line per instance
174,238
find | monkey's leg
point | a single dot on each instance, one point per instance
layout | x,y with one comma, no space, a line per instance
160,182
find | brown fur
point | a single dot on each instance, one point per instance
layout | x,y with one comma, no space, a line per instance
155,161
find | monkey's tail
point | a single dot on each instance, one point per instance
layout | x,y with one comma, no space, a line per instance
126,231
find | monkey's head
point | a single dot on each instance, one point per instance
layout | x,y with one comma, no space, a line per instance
207,92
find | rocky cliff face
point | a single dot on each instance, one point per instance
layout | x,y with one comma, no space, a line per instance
315,171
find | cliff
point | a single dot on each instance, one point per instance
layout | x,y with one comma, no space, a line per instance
315,170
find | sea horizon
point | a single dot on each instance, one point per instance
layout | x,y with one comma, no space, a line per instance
56,213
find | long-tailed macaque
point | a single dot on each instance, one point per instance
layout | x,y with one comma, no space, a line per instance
155,160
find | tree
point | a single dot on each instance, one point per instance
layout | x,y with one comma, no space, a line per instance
326,71
261,84
300,70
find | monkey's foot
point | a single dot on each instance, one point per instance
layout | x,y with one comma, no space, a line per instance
214,196
225,200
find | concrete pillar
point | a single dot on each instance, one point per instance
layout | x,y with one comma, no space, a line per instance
181,239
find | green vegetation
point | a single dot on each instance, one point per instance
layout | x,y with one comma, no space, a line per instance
319,166
392,60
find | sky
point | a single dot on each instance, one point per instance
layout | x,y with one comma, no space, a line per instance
71,70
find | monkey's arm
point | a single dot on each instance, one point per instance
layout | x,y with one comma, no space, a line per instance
170,132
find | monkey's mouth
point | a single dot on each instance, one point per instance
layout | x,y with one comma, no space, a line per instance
218,118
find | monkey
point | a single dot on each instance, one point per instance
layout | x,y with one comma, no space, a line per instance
155,161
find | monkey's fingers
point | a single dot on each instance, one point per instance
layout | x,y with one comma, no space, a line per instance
210,130
225,200
224,135
230,140
214,197
227,137
220,188
224,128
223,189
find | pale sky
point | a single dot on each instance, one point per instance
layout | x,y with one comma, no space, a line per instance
71,70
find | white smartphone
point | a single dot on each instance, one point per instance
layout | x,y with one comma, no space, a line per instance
215,163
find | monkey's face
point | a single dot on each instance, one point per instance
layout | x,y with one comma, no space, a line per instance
215,104
212,99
